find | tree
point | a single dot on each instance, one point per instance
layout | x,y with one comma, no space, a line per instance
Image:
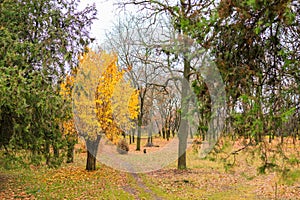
181,14
38,40
263,44
128,39
91,66
254,44
256,51
168,104
68,126
101,107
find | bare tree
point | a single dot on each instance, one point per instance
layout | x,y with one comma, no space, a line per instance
128,39
181,14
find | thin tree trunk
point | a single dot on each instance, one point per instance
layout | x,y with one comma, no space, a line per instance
71,141
55,150
149,140
191,133
70,152
132,135
140,120
47,153
139,134
168,134
138,140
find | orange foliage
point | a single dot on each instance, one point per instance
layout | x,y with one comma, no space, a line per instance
68,126
103,93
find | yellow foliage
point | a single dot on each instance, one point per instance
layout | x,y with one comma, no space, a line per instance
84,106
104,103
125,105
66,91
134,104
69,127
66,87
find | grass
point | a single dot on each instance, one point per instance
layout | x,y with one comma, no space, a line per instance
240,192
70,181
291,177
204,179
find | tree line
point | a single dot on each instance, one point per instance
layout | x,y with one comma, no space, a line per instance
253,44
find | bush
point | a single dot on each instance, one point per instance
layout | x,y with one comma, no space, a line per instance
122,147
10,162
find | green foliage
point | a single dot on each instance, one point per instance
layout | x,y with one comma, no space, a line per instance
291,177
294,160
203,105
267,166
254,55
12,162
38,39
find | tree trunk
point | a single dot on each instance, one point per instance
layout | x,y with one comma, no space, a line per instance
183,129
55,150
47,153
70,152
182,136
92,149
149,141
168,134
191,133
133,133
138,140
90,162
71,141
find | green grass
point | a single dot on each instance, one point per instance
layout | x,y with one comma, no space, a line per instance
291,177
232,193
67,182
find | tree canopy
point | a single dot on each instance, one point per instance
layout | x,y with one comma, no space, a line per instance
104,104
39,45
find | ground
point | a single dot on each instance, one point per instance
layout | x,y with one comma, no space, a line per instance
204,179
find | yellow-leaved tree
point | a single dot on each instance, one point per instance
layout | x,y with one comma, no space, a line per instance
107,83
100,106
68,126
124,108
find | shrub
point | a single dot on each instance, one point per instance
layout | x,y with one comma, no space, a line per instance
122,147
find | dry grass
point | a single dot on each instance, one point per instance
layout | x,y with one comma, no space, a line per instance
210,178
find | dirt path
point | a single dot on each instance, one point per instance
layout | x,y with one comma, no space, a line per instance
134,191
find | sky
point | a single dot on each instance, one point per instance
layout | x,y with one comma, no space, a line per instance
106,15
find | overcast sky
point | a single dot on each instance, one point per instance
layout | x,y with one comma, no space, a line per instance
106,15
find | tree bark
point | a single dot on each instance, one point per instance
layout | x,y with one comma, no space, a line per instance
140,120
55,150
183,129
92,148
70,152
47,153
71,141
90,162
182,136
138,140
168,134
149,140
133,133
